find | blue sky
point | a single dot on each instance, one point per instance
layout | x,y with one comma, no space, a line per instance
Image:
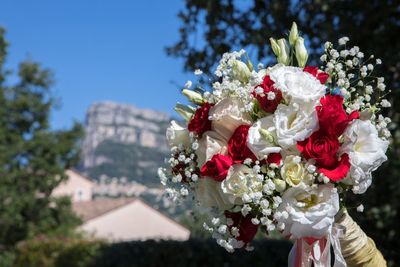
99,50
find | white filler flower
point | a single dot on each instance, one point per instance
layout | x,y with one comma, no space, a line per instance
311,210
240,181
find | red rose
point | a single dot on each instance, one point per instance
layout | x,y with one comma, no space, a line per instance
323,149
247,230
237,145
332,117
320,75
217,167
274,158
200,122
266,104
320,147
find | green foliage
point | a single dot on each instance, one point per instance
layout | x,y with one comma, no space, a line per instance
7,258
69,252
57,252
133,161
33,157
221,26
192,253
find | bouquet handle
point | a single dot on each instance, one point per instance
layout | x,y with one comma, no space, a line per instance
357,248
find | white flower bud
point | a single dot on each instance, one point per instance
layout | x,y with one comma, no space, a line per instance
294,34
186,112
283,57
241,71
301,52
188,84
266,135
193,96
360,208
280,185
275,47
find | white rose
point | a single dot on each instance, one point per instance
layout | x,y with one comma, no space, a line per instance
294,123
211,143
366,152
294,172
177,135
209,193
311,210
240,180
296,84
227,115
261,138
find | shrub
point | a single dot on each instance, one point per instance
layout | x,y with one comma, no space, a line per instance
267,253
74,252
57,252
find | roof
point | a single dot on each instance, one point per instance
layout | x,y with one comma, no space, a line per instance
126,219
88,210
81,175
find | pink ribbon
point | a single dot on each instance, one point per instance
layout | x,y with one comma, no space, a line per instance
307,250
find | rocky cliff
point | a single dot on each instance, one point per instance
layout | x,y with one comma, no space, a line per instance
124,141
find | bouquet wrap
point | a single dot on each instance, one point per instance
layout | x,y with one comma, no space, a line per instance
357,248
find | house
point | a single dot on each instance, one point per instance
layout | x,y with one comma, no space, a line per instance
77,186
116,219
127,219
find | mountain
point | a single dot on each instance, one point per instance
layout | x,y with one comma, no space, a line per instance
123,141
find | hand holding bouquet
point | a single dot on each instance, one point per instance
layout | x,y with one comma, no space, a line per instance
275,148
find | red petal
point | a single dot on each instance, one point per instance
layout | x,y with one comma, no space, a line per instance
301,145
354,115
217,167
312,70
340,171
320,75
247,230
274,158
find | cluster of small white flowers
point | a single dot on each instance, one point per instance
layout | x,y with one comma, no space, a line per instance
262,203
229,85
181,171
382,126
226,63
351,75
224,233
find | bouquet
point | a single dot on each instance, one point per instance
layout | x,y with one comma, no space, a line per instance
276,148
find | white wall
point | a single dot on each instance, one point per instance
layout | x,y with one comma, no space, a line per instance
77,187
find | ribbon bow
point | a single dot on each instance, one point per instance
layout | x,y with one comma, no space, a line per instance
308,250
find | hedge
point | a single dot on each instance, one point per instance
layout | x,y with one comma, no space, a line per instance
199,253
63,252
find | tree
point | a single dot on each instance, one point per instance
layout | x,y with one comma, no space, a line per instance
210,28
33,158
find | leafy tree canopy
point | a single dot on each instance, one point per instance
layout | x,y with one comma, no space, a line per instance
33,157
